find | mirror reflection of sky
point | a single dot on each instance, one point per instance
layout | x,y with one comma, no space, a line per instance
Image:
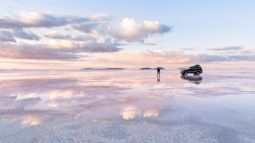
126,106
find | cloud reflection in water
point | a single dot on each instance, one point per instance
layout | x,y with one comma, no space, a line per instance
125,103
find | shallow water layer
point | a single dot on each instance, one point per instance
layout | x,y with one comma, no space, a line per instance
127,106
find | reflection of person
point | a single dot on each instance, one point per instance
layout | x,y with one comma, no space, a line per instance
158,72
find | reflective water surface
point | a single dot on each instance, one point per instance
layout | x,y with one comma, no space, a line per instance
127,106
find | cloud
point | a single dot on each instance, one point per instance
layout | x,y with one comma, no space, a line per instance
25,34
28,51
96,34
128,30
57,35
87,27
208,58
88,47
229,53
98,24
163,58
221,58
35,19
101,17
231,48
138,59
6,36
61,50
102,47
132,30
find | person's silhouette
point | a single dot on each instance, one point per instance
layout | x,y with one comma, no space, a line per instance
158,72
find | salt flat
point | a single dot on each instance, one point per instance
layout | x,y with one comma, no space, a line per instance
108,106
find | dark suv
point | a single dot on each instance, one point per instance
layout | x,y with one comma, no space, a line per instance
196,70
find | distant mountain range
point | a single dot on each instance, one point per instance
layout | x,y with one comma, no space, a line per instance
103,69
148,68
145,68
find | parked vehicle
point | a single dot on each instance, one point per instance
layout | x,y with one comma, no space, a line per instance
196,70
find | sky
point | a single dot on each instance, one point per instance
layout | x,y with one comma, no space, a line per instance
131,34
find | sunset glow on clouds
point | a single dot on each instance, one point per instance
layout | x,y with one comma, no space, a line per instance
99,40
73,36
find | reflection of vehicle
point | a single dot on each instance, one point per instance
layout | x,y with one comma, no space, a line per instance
194,79
196,70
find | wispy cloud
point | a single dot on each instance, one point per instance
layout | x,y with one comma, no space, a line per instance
57,35
65,50
230,48
28,51
6,36
35,19
25,34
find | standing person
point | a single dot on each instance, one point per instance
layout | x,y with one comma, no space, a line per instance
158,72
